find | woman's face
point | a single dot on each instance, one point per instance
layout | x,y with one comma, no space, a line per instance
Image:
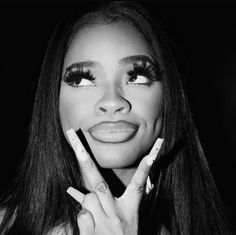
109,91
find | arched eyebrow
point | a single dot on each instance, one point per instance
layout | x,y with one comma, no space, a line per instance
82,64
124,61
136,58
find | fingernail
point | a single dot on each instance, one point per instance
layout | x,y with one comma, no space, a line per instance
154,152
77,145
151,159
77,195
149,185
72,136
156,147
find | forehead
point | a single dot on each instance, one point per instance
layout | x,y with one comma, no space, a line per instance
107,43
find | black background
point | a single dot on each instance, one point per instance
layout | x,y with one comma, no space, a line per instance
204,31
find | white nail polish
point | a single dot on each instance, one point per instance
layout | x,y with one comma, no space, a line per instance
150,159
72,136
154,152
156,147
77,195
77,145
149,185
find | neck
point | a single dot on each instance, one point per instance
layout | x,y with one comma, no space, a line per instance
125,175
117,179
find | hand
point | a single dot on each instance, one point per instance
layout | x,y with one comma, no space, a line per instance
101,212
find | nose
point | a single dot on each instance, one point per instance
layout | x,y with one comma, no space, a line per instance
112,102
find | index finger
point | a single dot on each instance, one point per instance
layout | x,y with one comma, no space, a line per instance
92,174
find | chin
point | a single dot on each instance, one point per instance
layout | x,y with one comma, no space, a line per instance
115,157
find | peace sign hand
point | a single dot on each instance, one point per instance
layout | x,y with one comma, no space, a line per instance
102,213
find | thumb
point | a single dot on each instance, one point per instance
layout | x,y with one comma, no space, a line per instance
85,222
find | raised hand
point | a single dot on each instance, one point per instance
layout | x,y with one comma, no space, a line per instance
102,213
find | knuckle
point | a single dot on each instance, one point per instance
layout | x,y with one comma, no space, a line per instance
84,215
90,197
101,187
137,187
91,202
89,165
85,221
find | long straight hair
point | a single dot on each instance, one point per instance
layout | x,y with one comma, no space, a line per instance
184,198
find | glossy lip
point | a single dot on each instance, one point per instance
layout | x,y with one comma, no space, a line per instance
113,132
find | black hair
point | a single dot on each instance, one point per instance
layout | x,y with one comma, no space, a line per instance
184,198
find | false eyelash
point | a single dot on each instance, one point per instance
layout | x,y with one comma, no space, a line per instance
145,70
74,76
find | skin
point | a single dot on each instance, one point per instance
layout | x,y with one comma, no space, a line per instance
102,213
110,98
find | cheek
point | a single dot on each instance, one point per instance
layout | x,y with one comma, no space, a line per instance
149,105
150,110
72,109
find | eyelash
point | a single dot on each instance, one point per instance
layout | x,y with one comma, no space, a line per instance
144,70
73,76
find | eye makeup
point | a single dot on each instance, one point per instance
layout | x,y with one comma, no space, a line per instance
75,74
143,69
141,73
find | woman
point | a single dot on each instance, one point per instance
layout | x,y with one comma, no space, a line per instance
110,75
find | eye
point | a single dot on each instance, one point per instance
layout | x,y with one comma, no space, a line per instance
85,82
138,79
76,77
142,74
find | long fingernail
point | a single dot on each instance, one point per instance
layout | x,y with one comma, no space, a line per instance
156,147
77,195
151,159
149,185
77,145
154,152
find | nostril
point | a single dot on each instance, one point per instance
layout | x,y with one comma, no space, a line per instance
103,109
119,109
112,104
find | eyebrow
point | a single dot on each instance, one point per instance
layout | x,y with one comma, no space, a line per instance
88,63
124,61
136,58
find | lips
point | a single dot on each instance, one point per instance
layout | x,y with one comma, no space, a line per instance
113,132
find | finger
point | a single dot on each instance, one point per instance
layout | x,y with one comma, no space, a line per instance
85,222
76,194
134,190
92,174
91,203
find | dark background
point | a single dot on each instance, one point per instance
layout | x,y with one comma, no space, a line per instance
205,32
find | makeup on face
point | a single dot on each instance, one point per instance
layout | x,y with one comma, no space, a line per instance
143,72
111,89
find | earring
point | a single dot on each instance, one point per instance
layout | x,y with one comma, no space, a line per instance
149,185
